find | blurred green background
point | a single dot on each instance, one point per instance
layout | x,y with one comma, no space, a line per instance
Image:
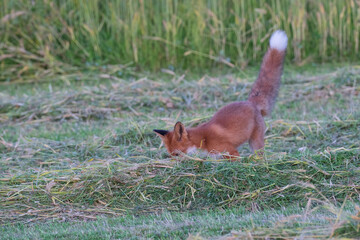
187,34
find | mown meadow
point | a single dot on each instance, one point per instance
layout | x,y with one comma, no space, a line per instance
84,83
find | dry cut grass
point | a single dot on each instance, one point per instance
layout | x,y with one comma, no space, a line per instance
79,151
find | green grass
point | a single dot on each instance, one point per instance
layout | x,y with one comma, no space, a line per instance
81,148
45,38
234,222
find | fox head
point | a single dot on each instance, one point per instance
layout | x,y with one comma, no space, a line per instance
175,141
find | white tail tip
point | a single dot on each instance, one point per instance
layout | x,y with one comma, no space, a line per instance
278,40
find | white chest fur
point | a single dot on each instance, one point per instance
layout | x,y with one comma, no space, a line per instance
202,153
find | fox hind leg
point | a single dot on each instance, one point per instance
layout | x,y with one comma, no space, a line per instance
257,141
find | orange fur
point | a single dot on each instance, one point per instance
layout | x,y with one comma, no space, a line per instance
238,122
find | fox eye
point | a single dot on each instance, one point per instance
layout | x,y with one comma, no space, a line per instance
175,154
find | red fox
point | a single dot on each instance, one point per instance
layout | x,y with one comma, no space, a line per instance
237,122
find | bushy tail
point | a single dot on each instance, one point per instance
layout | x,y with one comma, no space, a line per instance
265,89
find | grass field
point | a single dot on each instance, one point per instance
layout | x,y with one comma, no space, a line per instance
77,109
79,158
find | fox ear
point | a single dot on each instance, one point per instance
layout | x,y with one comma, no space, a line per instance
160,133
180,131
